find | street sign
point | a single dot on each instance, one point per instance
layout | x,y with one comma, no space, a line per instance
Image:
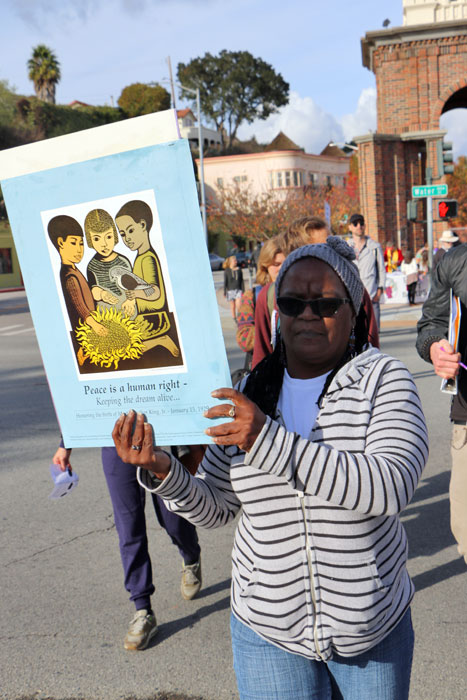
430,191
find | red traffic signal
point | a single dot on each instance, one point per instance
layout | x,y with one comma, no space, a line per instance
447,208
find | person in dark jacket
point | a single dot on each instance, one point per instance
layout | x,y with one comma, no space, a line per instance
450,282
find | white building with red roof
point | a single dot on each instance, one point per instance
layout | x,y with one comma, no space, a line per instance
187,123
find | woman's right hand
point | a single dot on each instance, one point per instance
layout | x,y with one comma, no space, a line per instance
134,442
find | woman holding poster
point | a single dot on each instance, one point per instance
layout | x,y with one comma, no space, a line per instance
326,446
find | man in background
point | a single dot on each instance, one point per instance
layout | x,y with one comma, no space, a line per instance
449,279
446,242
369,260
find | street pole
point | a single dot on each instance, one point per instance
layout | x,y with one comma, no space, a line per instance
201,158
172,88
201,168
429,220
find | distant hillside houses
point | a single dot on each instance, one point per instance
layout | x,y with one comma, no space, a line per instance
187,123
282,166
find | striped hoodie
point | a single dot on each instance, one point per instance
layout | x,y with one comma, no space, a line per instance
319,558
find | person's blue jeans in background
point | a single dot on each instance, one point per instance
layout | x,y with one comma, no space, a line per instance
128,499
266,672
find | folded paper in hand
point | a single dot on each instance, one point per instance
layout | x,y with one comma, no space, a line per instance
64,482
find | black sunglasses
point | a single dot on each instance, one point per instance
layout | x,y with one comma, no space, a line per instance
323,308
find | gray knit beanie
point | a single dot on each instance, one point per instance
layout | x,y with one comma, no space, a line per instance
337,254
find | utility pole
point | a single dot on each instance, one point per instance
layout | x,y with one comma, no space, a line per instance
429,218
200,143
172,86
201,166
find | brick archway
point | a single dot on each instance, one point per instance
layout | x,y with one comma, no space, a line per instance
421,73
453,97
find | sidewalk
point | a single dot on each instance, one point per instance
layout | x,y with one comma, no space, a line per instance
400,315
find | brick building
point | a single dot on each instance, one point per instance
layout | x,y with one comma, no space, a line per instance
421,73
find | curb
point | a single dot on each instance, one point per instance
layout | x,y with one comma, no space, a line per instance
12,289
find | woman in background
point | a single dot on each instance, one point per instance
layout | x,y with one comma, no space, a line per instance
409,267
233,284
270,260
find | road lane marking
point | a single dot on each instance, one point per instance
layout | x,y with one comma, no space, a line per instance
9,328
23,330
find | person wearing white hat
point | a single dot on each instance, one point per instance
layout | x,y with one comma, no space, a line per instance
446,242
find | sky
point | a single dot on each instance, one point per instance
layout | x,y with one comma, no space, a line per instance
105,45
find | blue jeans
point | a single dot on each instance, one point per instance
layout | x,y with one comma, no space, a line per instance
265,672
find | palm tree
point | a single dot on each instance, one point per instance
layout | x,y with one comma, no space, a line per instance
44,71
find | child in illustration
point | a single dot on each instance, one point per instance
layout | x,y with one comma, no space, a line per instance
134,221
101,234
67,235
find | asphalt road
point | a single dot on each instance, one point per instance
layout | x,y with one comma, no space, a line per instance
64,608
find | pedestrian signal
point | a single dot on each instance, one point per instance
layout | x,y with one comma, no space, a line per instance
412,209
447,208
445,157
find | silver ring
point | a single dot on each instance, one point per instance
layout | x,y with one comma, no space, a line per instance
232,412
138,448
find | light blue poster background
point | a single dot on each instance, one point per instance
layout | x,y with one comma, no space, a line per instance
172,399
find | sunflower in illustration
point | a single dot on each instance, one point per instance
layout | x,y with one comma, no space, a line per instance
122,342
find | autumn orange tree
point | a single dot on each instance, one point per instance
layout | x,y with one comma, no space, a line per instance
457,184
238,211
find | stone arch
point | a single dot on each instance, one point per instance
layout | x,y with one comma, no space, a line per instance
452,97
421,73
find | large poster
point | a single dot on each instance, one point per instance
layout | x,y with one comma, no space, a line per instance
119,284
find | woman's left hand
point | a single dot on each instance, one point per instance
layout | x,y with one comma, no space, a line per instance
246,426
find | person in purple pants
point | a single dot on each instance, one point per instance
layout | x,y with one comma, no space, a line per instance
128,499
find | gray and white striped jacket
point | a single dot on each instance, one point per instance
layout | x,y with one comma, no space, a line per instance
319,558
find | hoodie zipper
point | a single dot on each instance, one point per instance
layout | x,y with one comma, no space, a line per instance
310,572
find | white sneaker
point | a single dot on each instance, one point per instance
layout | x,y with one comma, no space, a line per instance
191,580
142,629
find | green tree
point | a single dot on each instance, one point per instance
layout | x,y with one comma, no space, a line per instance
236,210
44,71
235,87
7,102
140,98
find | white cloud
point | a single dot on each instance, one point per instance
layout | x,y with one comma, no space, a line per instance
306,123
302,120
35,12
363,119
455,122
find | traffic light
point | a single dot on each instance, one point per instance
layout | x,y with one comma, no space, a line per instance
412,209
447,208
445,157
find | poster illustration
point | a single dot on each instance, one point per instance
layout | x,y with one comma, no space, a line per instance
114,286
117,275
